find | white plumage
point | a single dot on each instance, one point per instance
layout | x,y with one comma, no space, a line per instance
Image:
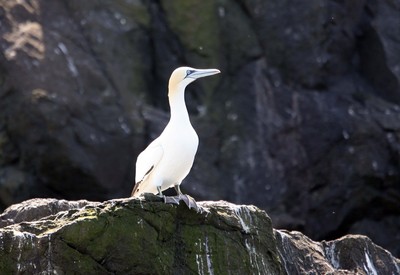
168,159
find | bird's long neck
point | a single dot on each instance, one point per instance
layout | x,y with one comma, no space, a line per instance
179,113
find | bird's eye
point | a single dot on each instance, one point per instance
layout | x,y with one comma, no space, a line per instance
189,72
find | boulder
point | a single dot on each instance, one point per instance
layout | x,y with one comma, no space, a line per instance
135,236
130,236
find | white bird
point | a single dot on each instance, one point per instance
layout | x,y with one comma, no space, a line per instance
168,159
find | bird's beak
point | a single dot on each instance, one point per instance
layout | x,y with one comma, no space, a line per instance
203,72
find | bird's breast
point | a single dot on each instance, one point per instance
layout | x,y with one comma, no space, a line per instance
182,140
180,147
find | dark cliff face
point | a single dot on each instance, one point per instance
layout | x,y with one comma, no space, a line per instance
131,236
304,120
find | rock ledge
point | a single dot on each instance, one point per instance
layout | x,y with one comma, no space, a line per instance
131,236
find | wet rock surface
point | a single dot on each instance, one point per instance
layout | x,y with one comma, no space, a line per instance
351,254
129,236
304,120
132,236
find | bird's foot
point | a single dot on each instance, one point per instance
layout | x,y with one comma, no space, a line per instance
172,200
188,200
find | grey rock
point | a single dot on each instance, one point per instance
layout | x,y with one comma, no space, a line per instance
135,236
35,209
351,254
130,236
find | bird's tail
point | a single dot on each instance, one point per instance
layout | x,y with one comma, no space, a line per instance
135,191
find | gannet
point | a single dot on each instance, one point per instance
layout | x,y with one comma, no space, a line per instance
168,159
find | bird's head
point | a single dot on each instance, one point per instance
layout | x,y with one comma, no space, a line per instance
183,76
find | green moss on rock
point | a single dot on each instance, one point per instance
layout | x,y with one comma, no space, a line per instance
196,24
137,237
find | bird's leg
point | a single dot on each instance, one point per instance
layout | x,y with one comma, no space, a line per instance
160,194
167,199
188,200
174,199
178,189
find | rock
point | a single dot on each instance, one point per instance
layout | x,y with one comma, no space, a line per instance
351,254
359,254
35,209
65,122
132,236
303,121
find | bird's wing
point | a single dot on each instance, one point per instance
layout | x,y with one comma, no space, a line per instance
147,161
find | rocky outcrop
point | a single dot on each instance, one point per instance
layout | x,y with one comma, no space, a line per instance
132,236
351,254
304,120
